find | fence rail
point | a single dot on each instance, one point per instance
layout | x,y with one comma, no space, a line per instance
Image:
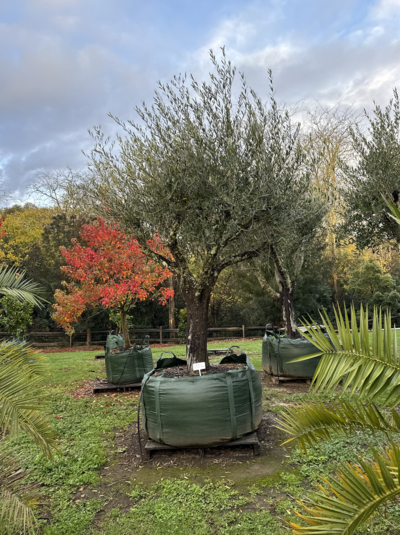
95,338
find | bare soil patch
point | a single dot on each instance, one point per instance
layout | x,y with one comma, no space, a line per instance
85,390
129,450
70,349
125,462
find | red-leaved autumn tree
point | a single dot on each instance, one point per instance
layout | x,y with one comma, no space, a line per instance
2,233
111,271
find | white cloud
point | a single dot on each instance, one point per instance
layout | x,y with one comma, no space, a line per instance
386,8
63,69
354,69
51,94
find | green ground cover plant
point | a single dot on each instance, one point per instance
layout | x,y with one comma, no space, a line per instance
365,372
255,495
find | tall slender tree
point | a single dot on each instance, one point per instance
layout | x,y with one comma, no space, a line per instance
330,132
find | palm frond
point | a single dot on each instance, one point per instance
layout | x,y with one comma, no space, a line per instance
394,209
21,371
311,422
349,500
370,368
14,284
17,512
16,501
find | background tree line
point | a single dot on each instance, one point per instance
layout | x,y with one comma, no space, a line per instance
348,254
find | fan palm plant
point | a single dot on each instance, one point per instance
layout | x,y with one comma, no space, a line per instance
17,503
14,284
366,371
21,371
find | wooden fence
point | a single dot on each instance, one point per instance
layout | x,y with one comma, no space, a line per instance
159,335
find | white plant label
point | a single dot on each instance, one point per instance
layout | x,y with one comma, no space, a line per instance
199,366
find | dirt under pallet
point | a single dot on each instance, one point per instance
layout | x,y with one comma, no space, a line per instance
276,380
250,440
104,386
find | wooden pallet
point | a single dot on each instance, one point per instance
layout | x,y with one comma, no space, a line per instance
250,440
104,386
277,380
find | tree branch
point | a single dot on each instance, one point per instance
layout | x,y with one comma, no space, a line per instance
243,228
280,268
157,257
173,246
245,255
264,284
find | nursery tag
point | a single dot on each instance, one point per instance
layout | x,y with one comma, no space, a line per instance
199,366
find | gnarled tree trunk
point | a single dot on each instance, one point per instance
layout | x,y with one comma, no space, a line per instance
284,296
285,301
197,303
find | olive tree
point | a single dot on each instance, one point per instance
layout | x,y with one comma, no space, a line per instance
374,174
216,176
278,269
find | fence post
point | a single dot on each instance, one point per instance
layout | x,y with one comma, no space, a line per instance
88,337
243,332
160,335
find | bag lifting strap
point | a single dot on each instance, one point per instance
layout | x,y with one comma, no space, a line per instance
252,403
158,412
231,405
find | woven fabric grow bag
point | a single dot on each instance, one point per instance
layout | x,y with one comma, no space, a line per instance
202,411
278,351
129,365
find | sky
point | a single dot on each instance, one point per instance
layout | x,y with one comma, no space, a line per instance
65,64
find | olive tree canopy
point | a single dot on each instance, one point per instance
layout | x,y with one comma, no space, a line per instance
214,171
375,174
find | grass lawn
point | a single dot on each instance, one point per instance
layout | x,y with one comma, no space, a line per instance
90,487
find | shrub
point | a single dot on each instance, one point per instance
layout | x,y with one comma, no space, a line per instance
15,317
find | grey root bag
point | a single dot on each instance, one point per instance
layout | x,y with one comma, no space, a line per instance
201,411
278,351
127,365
